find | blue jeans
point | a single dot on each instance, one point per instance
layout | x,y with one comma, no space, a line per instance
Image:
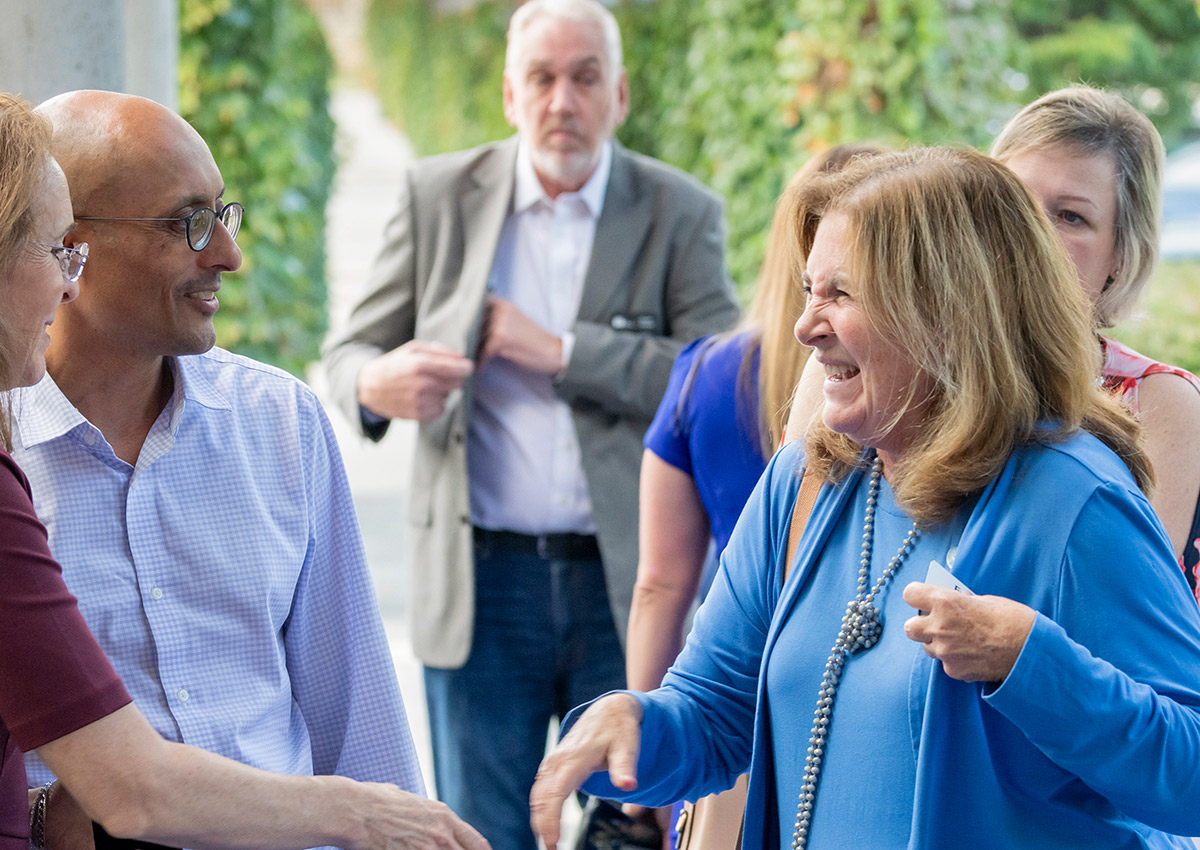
544,642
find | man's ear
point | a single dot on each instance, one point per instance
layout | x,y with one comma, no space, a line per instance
622,97
510,106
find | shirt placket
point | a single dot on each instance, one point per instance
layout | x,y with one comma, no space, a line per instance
564,252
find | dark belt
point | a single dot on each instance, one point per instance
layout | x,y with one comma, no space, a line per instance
565,546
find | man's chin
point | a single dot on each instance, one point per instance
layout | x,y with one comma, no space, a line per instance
568,169
198,341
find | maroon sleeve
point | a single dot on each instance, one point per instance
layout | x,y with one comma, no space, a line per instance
54,678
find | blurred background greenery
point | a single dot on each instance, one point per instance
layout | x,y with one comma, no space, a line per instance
1168,326
738,92
254,80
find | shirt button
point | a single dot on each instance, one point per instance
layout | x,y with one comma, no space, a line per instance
89,437
182,694
156,593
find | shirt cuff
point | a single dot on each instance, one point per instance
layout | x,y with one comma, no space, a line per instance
568,346
370,417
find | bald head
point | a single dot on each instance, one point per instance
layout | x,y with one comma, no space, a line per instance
104,139
137,173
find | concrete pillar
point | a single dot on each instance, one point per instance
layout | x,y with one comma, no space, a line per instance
152,50
51,46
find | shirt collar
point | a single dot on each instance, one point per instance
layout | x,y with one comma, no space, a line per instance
528,190
43,413
196,386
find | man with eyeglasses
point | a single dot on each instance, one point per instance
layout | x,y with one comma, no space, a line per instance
197,499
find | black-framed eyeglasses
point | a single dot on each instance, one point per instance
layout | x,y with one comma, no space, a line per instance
199,223
70,260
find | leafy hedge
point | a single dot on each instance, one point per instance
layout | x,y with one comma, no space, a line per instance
742,92
254,81
772,83
734,91
1148,50
1167,326
439,75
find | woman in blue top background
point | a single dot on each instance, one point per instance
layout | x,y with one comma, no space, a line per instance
961,423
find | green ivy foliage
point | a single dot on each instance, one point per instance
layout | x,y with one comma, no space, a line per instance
742,93
1148,50
728,124
254,81
899,72
896,71
656,38
439,75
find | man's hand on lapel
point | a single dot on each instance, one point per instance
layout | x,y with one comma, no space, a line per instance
412,381
509,333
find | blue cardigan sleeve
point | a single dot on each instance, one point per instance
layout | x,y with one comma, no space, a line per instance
698,727
1107,685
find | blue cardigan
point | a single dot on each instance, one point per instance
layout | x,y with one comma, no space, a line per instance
1093,740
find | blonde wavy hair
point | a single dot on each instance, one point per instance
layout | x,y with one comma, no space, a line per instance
1091,121
777,303
24,158
957,263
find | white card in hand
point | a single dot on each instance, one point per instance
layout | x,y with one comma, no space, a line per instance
939,576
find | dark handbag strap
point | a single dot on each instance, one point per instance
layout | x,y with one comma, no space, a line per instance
810,486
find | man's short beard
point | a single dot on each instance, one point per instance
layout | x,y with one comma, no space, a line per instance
572,170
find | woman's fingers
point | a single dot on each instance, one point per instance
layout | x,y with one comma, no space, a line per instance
606,737
977,638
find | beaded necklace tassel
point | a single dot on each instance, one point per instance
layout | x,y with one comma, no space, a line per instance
861,630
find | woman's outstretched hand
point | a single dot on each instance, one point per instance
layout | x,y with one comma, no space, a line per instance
977,638
606,737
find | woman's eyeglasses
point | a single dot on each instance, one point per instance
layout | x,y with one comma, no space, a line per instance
70,260
199,223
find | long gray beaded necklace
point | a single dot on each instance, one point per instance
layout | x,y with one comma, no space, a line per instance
861,629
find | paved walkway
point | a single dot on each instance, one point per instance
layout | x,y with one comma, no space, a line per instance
372,157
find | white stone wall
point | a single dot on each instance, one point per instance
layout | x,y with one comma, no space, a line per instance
51,46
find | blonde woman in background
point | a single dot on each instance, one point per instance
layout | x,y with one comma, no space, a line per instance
1095,163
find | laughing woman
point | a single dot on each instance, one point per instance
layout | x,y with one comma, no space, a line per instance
961,423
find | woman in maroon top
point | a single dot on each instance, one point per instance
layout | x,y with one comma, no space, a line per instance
58,693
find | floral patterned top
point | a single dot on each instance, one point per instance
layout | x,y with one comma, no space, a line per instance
1124,370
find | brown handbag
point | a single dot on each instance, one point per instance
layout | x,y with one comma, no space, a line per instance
715,822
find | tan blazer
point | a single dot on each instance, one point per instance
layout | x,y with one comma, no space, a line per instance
657,279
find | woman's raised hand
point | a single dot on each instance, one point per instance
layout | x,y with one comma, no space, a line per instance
977,638
606,737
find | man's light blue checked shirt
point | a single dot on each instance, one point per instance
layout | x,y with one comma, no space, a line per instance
224,574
